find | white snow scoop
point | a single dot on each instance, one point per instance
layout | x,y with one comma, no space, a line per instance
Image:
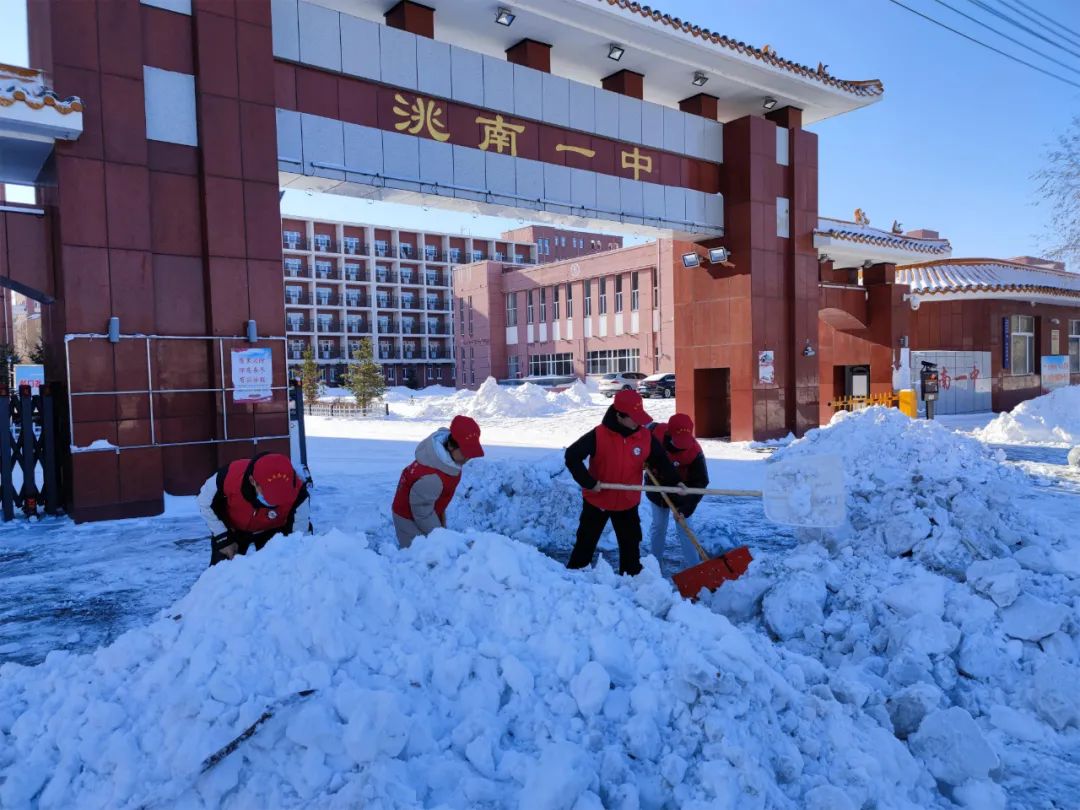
807,492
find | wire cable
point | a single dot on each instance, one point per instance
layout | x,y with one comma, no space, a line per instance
985,45
1021,26
1072,40
1047,18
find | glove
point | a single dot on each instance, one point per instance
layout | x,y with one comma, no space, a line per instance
221,541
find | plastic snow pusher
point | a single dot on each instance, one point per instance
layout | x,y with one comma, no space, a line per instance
806,492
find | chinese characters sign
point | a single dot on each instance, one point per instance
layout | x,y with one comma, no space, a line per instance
252,375
1055,372
403,111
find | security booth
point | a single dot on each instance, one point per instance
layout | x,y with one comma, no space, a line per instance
928,383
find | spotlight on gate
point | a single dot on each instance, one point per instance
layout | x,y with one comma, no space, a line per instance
615,52
691,260
769,103
718,255
699,79
505,16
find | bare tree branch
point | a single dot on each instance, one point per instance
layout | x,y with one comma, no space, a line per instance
1059,190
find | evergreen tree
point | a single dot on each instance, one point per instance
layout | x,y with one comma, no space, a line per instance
9,358
40,353
310,379
364,377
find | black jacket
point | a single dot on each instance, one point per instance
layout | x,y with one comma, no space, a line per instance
697,477
585,447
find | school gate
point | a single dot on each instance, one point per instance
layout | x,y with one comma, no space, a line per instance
162,214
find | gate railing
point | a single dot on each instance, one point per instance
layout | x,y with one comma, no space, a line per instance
27,445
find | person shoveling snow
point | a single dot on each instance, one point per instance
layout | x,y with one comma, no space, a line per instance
427,486
250,501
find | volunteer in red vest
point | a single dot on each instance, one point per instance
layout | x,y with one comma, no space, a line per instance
428,484
251,500
617,451
685,455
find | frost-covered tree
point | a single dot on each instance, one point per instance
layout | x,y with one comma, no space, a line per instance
310,379
364,377
1059,188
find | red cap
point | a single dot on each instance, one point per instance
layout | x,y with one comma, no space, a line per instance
629,402
466,433
680,428
276,478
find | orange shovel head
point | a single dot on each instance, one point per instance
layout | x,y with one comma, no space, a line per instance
713,573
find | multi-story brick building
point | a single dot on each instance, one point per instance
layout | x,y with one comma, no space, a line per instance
555,244
345,282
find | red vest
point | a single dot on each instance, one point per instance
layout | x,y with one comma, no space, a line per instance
680,459
245,516
618,460
413,473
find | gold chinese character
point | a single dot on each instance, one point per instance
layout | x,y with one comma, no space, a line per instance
500,135
424,114
581,150
637,161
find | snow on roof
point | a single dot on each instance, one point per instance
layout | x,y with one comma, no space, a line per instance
863,234
871,87
977,276
21,85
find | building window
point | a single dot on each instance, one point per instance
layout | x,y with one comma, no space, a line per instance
529,307
569,301
782,157
1074,347
551,365
601,283
618,294
783,217
588,298
511,309
513,367
612,361
461,316
655,290
634,295
470,316
555,303
543,305
1022,340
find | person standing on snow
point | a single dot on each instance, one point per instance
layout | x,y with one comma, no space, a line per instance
618,450
686,456
249,501
427,485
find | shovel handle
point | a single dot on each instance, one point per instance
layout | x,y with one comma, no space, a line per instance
678,517
730,493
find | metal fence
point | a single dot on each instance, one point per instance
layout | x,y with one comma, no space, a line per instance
28,463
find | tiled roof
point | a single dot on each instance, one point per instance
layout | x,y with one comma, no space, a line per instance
872,87
987,276
863,234
19,85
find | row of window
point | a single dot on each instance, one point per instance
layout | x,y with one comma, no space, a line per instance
1022,352
543,244
612,361
551,365
1074,347
540,296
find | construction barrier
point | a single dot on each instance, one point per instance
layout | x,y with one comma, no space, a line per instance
904,400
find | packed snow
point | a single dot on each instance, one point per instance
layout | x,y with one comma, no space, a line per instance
923,655
492,400
1053,418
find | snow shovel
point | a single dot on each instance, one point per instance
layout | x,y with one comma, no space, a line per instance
709,573
807,492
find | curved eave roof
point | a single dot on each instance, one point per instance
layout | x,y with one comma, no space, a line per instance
862,89
988,278
862,235
23,86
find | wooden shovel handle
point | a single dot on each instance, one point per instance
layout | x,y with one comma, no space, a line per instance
730,493
678,515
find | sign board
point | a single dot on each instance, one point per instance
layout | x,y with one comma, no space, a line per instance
252,375
1006,344
29,374
1055,341
1055,372
766,367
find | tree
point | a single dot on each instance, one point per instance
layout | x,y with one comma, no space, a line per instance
1059,185
310,378
9,358
364,377
40,353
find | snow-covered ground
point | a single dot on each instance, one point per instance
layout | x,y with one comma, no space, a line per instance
924,656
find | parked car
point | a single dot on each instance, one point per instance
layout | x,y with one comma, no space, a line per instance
610,384
657,385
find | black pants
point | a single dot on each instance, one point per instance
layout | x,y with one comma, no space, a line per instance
627,525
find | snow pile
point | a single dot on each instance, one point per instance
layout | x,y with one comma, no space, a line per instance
492,400
1053,418
1074,456
536,502
468,671
947,608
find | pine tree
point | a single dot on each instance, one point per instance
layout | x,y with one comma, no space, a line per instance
9,358
40,353
310,379
364,377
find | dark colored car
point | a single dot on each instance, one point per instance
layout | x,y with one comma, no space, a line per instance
657,385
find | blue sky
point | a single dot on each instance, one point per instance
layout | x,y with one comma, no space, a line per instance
951,147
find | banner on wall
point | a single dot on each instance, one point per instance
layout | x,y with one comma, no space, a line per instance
766,367
1006,344
1055,372
252,374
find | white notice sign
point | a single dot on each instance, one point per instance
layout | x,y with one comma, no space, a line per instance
252,374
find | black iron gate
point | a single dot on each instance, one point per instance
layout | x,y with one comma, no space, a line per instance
28,464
